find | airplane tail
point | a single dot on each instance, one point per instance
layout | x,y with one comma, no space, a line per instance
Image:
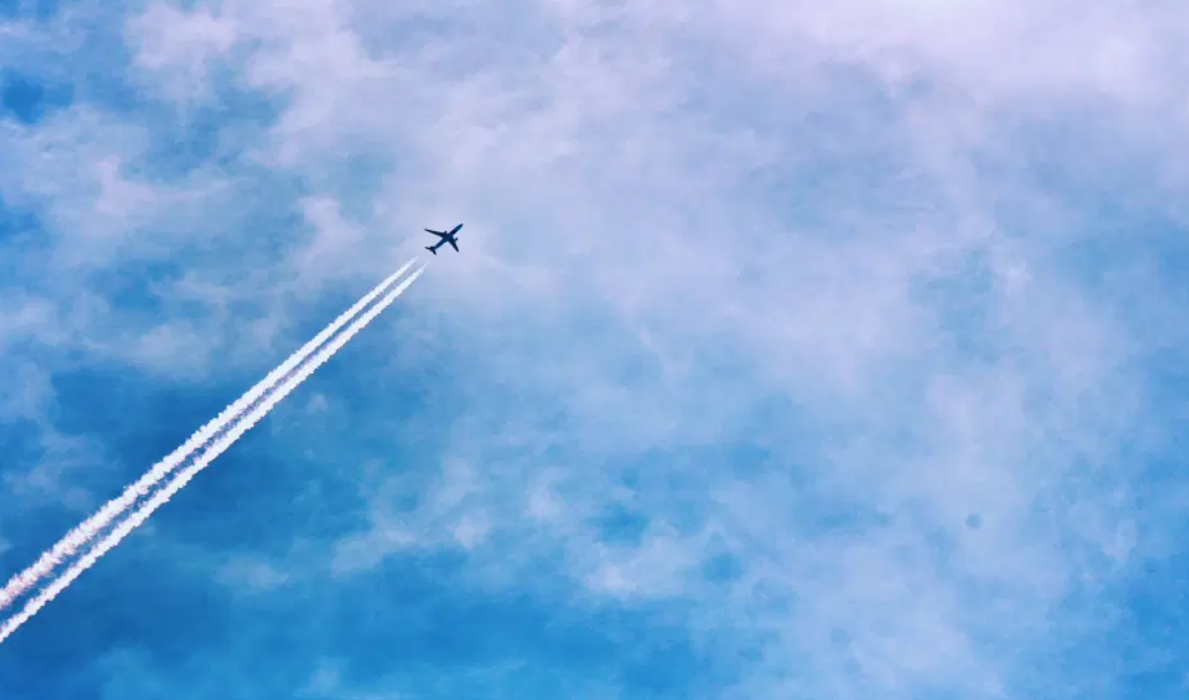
431,249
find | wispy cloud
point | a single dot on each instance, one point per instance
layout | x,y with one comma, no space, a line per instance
848,331
249,574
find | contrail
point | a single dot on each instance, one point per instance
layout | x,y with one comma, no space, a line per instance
204,458
88,529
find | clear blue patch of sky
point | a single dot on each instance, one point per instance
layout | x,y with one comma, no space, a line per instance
27,99
22,247
30,9
1151,637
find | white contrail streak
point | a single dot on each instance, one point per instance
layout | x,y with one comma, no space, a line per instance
88,529
183,477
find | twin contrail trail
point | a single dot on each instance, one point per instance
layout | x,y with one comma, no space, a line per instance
273,388
83,533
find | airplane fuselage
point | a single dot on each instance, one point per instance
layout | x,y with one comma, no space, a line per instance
450,237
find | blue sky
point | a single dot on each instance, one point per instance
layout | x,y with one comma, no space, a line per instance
793,351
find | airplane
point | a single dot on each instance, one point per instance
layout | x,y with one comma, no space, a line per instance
446,236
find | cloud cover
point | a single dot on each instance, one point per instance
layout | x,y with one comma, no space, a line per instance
792,352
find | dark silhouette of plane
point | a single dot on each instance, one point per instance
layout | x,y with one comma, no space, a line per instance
446,236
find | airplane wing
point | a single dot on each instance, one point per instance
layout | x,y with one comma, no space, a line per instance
439,234
453,245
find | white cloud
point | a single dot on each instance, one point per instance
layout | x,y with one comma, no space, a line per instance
675,217
176,48
618,201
